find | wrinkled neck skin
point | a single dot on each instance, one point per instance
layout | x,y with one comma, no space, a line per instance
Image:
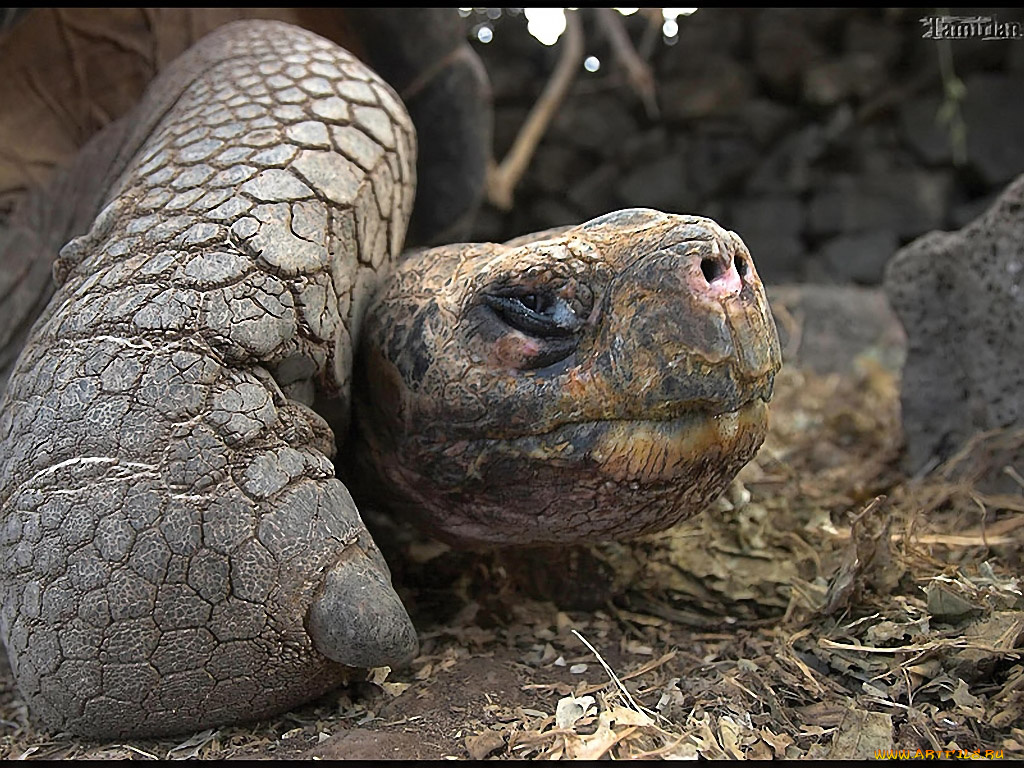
595,382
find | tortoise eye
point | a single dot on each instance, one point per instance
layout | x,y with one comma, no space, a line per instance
536,314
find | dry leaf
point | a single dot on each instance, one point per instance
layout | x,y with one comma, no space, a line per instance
483,744
570,709
625,716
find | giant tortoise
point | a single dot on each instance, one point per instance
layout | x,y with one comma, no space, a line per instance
236,317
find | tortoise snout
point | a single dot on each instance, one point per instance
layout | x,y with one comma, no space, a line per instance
692,314
713,263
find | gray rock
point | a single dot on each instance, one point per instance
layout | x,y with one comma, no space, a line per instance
593,194
879,37
879,149
515,75
783,49
712,209
787,168
827,328
715,85
594,122
960,296
1015,59
823,23
906,202
490,226
718,155
554,165
923,132
660,183
858,258
771,227
766,118
832,81
964,213
549,213
780,256
651,144
994,111
776,213
712,31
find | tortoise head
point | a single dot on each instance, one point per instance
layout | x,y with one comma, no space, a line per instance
595,382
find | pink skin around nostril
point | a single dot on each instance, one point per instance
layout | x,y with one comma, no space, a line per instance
724,281
728,283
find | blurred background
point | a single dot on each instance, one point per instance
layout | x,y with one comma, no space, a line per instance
827,138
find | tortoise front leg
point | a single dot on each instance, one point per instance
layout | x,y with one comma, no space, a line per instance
176,550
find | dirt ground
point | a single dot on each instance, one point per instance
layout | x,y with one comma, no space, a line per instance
827,607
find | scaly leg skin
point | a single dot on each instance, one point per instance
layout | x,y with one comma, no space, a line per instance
176,551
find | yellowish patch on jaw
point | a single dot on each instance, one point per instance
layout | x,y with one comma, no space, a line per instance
646,451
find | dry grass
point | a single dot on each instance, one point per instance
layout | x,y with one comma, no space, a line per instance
828,606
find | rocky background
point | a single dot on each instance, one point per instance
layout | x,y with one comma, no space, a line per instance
827,138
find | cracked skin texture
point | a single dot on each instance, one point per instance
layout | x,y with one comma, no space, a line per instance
177,552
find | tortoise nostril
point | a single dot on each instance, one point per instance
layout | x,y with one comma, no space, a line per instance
741,265
712,269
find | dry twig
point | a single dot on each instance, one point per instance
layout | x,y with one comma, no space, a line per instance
638,71
612,675
502,179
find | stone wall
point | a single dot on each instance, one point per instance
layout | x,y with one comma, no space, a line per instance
813,133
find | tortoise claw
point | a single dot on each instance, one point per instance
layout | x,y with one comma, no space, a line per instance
358,619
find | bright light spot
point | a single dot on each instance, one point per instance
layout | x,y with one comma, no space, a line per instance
545,24
484,34
627,11
464,12
592,64
672,13
671,27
